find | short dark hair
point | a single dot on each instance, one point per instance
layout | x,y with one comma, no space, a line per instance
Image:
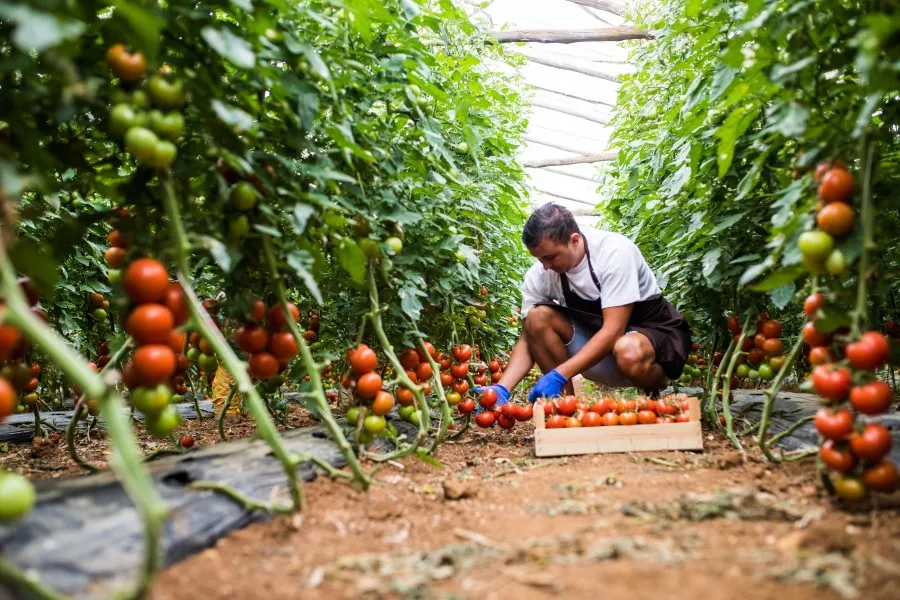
551,221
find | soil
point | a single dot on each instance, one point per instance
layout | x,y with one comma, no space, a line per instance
493,521
649,525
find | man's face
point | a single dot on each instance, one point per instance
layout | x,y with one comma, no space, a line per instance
556,256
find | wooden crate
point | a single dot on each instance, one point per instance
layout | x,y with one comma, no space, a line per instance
636,438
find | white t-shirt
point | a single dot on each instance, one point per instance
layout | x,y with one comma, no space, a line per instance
624,276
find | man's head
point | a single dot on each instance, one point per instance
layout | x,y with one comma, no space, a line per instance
552,236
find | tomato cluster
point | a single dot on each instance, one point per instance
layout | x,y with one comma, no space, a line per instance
373,402
695,367
157,307
765,350
853,450
17,377
147,133
570,411
834,218
265,337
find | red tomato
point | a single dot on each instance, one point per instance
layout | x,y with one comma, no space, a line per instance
459,370
428,348
409,359
836,458
813,337
524,412
872,398
873,443
549,407
462,353
832,384
870,352
734,324
573,422
556,422
485,419
460,386
506,421
446,379
834,425
488,398
628,418
509,409
881,477
819,356
466,407
591,419
424,371
759,340
494,366
567,405
683,417
647,417
812,304
771,328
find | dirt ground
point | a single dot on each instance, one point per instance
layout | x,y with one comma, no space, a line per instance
494,521
648,525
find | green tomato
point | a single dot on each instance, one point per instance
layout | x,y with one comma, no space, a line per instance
415,418
163,155
115,276
208,362
193,354
462,147
164,423
139,99
176,399
406,411
374,424
460,256
243,196
165,93
353,415
122,117
753,375
239,227
273,35
686,377
765,372
414,90
370,248
16,497
151,401
815,245
141,143
836,264
99,314
394,244
167,126
743,371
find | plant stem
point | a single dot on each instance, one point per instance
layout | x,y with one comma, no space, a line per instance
464,428
424,419
769,406
726,387
245,501
196,399
794,427
712,391
26,582
220,421
79,411
313,370
446,417
867,218
126,461
208,330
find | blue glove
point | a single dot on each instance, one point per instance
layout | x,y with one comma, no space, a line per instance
548,386
502,395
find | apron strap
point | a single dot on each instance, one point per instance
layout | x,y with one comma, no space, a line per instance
587,254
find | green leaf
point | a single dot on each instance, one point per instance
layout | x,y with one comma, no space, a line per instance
36,261
301,262
352,260
783,295
711,261
146,26
777,279
673,184
316,63
232,115
219,252
300,217
38,30
427,458
231,47
728,134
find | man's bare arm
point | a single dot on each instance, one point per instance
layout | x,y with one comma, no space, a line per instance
520,363
615,321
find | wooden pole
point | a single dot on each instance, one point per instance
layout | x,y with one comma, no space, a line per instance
571,36
571,160
571,111
573,96
610,6
567,66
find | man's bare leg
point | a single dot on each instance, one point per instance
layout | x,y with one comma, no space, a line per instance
636,360
547,332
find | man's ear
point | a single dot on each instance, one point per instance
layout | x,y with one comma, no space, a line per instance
574,238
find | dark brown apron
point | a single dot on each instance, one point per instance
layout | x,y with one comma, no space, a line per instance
656,318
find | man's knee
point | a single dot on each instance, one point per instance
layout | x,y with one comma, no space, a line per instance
540,319
634,355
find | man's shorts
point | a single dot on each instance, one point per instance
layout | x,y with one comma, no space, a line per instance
606,371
